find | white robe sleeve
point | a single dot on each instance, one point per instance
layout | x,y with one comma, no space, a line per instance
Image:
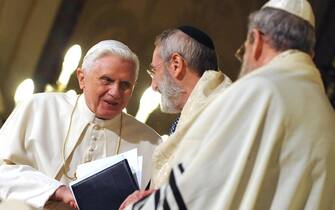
22,182
20,177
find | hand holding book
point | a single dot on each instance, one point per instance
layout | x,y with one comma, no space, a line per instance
104,184
134,197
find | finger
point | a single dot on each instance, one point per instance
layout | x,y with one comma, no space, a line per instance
123,205
73,205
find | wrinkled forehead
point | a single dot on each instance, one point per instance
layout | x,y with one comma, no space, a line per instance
113,63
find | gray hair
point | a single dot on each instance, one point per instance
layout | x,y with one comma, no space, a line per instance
198,56
283,30
110,47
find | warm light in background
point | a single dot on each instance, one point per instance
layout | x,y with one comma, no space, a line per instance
73,92
24,90
70,64
148,103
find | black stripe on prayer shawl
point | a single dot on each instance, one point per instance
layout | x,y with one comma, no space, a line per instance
181,168
141,206
176,192
157,197
166,205
148,185
140,203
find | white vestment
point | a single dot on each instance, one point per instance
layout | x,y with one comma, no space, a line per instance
267,142
210,85
33,144
15,205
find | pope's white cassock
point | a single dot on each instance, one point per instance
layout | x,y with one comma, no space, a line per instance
51,130
267,142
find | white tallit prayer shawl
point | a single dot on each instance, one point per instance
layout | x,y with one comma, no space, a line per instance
33,136
207,88
269,144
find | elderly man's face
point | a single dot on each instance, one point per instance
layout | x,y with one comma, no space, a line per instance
163,82
108,85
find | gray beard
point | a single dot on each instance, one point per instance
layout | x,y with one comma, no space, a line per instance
170,94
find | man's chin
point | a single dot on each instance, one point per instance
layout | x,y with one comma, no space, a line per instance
108,115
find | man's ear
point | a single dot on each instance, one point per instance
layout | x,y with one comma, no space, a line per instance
81,78
257,41
178,66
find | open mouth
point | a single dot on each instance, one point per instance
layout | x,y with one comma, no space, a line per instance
112,103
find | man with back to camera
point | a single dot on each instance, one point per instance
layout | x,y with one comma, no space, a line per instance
47,136
269,140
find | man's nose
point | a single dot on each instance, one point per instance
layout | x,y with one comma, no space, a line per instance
154,85
114,90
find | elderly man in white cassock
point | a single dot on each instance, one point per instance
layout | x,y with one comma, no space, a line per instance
47,136
270,137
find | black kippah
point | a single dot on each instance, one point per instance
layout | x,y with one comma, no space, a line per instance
198,35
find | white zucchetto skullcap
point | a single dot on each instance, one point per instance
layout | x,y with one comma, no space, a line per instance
300,8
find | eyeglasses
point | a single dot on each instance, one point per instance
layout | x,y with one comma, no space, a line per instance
151,72
240,52
152,69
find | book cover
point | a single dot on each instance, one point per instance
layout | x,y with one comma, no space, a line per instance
106,189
